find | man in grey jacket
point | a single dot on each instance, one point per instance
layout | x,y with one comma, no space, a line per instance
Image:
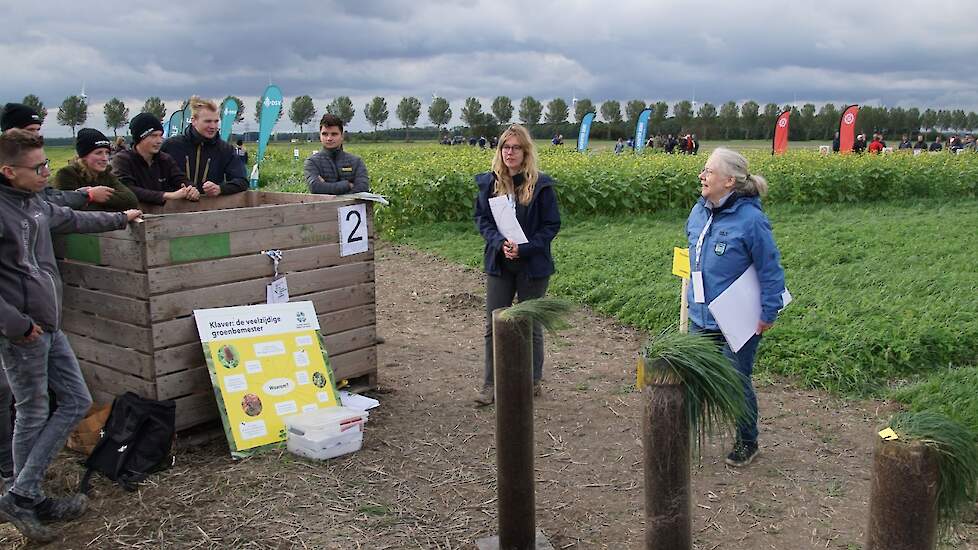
34,352
333,171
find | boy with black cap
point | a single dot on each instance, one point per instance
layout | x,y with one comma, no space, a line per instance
34,352
151,174
19,116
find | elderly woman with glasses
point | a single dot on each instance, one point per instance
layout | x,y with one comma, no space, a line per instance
516,269
727,233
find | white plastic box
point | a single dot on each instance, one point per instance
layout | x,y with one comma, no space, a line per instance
325,433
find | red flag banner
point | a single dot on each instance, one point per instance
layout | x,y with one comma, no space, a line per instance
780,144
847,128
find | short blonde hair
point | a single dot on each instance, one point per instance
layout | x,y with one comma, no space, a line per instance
504,182
733,164
198,104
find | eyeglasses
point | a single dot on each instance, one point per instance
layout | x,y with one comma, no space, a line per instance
512,148
46,165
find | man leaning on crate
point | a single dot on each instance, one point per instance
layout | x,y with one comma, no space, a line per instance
210,163
34,352
333,171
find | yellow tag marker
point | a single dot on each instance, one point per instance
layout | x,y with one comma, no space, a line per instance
889,435
680,262
640,373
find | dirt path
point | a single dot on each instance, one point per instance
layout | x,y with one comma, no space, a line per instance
426,475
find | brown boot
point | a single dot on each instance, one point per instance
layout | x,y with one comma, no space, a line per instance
487,396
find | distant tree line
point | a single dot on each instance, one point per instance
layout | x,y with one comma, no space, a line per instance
748,120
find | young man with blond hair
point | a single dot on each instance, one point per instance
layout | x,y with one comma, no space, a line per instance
210,163
34,352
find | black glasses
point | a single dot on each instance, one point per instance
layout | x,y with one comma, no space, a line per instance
46,165
513,148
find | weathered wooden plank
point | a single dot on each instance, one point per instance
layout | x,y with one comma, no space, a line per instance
158,253
122,253
205,204
341,298
183,382
109,279
355,363
178,358
103,379
195,409
273,197
99,328
177,304
109,306
345,342
121,359
183,330
252,266
242,219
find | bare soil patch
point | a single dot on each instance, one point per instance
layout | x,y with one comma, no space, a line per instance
426,475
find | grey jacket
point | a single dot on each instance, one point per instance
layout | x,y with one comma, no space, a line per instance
30,285
333,176
76,200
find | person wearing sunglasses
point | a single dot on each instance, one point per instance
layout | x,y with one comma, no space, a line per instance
516,270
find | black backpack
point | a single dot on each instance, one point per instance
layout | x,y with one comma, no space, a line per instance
136,441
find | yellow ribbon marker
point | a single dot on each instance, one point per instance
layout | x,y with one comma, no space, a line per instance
640,373
889,435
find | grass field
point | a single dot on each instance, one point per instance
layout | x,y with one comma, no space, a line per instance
884,293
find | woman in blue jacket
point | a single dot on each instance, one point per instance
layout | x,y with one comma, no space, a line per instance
516,270
727,232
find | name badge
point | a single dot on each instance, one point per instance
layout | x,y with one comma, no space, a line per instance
699,296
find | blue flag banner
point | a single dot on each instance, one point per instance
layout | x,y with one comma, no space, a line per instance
175,124
642,130
166,128
229,112
585,132
187,115
271,106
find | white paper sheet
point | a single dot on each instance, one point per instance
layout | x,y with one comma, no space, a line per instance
738,309
504,213
357,401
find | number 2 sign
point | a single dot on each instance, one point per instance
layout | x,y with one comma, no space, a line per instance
353,229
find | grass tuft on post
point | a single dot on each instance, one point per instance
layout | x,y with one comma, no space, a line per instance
714,390
957,450
551,313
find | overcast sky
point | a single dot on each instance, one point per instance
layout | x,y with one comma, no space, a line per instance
891,53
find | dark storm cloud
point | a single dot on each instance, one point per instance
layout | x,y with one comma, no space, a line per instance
897,54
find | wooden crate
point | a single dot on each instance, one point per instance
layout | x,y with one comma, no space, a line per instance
129,295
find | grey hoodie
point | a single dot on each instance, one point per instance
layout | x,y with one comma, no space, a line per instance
30,285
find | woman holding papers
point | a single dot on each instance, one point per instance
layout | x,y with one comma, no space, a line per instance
516,213
728,233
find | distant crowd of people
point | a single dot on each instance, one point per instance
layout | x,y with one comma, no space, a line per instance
668,143
878,143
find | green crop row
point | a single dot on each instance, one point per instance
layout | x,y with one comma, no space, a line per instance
436,183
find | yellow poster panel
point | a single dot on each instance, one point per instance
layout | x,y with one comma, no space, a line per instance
264,379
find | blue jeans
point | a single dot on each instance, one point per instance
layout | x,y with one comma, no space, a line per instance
31,369
743,361
6,428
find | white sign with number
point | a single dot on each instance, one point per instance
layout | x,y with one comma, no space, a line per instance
353,229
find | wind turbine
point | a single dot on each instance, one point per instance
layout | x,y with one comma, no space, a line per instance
83,95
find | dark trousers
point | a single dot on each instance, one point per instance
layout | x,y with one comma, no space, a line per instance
743,361
500,291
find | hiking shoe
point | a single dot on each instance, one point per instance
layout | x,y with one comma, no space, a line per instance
742,454
25,520
61,509
537,388
487,396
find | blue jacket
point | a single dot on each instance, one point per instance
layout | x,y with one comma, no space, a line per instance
739,236
540,225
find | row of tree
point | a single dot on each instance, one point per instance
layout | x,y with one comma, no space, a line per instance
731,121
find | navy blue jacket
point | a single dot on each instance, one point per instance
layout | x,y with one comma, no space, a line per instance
207,160
540,224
